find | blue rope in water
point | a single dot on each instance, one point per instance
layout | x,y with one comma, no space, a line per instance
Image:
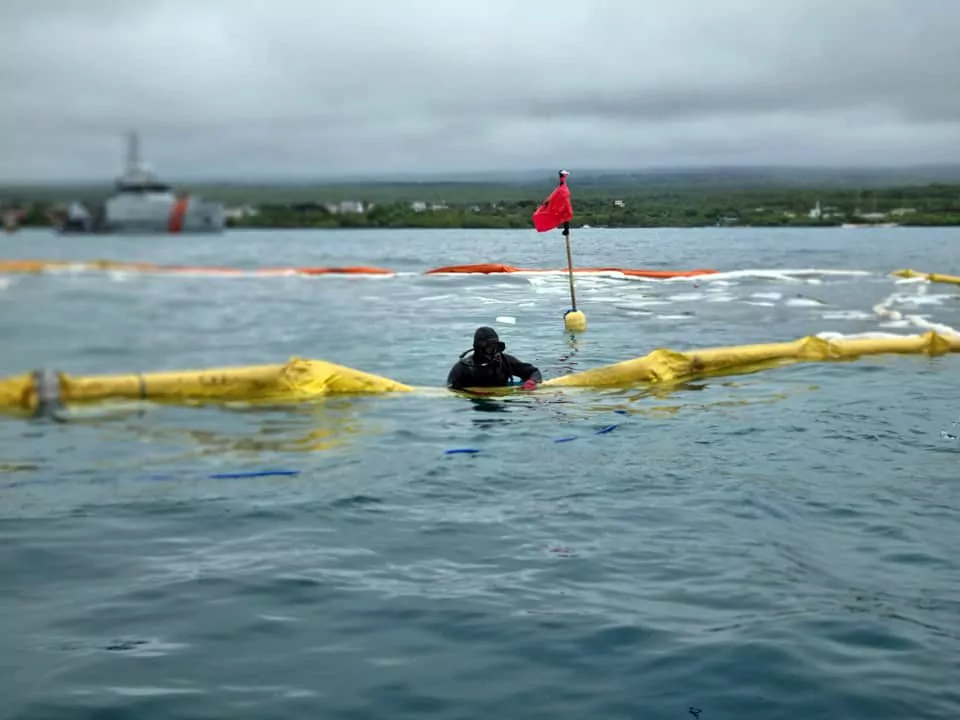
569,438
252,473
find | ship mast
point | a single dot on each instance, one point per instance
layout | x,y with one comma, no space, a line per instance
138,175
133,153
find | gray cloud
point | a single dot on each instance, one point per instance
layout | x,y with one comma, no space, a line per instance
248,88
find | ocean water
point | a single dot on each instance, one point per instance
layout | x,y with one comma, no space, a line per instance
777,545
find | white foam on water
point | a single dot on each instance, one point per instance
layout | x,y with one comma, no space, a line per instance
188,275
846,315
755,275
547,286
491,301
760,303
646,303
590,274
674,317
884,307
803,302
921,322
721,299
767,295
895,318
895,324
507,320
604,299
829,335
686,297
71,269
791,275
826,272
930,299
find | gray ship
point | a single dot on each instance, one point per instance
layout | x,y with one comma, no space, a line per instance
143,204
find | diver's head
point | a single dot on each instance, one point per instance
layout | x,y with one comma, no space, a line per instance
486,344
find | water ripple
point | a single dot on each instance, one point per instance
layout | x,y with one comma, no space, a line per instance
781,545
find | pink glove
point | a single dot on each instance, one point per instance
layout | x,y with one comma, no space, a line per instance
529,385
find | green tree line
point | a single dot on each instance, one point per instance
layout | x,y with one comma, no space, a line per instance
491,206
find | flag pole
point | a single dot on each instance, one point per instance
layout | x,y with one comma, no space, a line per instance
573,296
573,319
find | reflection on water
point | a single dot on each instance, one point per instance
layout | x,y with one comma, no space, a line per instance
488,405
317,426
181,435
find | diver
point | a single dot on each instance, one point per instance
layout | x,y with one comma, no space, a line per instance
490,366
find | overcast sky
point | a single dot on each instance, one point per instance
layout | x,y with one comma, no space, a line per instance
248,88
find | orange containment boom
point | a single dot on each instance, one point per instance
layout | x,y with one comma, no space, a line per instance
351,270
42,266
497,268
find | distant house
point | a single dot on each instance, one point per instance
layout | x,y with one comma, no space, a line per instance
345,206
618,203
900,212
240,212
420,206
352,206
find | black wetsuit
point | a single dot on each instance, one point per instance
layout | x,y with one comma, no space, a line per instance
467,373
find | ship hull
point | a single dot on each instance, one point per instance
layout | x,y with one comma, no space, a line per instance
149,217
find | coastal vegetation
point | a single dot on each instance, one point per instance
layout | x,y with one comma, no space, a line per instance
509,205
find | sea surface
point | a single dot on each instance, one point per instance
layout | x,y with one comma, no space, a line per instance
761,547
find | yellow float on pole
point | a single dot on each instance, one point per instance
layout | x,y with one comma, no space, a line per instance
573,319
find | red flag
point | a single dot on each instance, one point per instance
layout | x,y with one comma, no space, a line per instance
555,210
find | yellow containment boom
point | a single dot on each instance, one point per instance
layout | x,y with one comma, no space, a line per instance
930,277
666,366
295,381
299,380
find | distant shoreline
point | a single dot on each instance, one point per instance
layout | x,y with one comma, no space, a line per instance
477,206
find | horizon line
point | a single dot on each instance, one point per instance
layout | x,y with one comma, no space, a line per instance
489,176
